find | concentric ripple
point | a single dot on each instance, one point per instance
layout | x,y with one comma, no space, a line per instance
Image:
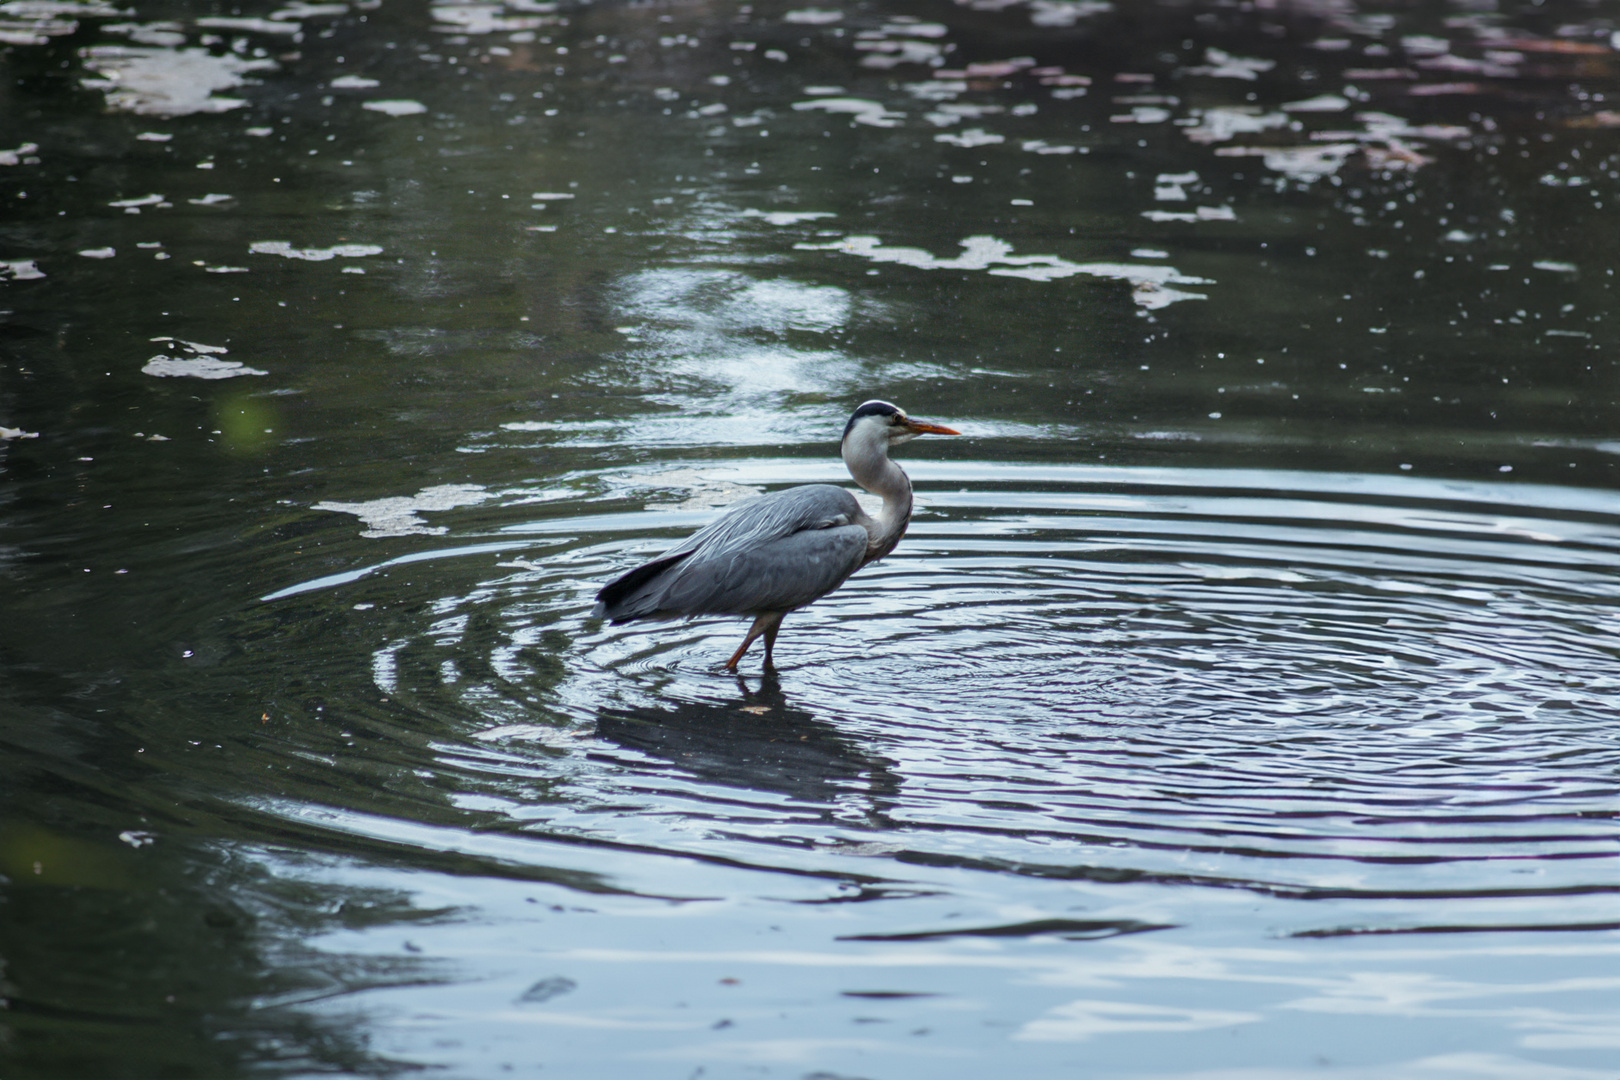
1397,692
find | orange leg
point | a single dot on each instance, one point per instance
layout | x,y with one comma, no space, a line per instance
767,624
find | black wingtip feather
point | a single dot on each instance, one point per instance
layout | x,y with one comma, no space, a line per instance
610,600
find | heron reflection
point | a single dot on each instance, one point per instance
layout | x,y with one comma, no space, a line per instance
759,741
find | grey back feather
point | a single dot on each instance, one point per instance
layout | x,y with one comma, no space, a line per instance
773,553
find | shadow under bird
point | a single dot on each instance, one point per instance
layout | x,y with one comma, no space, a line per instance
781,551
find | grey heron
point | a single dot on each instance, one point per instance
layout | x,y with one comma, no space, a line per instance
778,552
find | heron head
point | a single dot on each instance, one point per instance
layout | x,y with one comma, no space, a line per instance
882,422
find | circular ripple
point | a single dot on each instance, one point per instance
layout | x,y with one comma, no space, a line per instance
1310,685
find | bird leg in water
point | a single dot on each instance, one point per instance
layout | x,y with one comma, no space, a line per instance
767,624
770,641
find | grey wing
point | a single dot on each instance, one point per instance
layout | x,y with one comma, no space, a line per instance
779,575
780,514
771,553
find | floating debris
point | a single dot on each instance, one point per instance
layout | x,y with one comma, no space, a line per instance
477,17
397,515
203,362
703,490
19,270
787,217
1300,162
1041,146
1064,13
1320,103
167,35
1225,122
298,9
35,22
197,367
395,107
286,250
1203,213
23,155
995,257
165,82
1171,187
859,110
970,138
133,206
1220,64
253,26
813,17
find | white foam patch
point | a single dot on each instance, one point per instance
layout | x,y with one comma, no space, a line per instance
35,22
787,217
1041,146
1149,283
397,515
1061,13
970,138
165,82
1320,103
136,203
813,16
286,250
483,17
860,110
1223,65
395,107
202,358
890,53
1203,213
197,367
1226,122
298,9
23,154
353,82
1299,162
250,25
701,489
166,35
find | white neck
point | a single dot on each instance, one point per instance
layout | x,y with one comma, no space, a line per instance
866,455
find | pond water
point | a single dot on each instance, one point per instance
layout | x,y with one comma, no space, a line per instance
1241,704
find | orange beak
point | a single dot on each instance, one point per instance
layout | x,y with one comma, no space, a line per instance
922,428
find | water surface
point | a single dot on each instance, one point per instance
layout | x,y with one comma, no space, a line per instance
1239,704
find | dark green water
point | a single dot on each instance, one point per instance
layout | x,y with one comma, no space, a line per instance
1241,704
